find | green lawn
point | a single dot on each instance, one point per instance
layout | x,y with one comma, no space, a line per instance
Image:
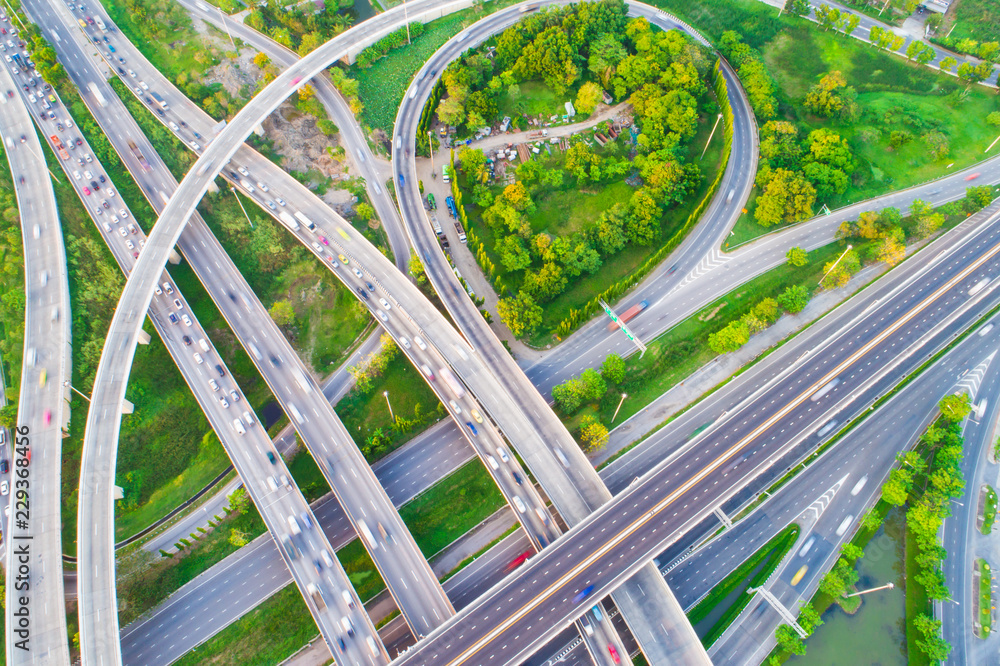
989,510
770,555
978,19
11,282
365,413
564,212
253,639
535,98
985,601
916,602
684,348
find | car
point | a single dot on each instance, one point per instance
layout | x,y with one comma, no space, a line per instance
503,454
344,260
262,186
797,578
385,303
174,126
220,370
403,341
198,358
167,288
76,175
42,377
130,245
235,396
362,293
243,170
195,147
583,594
4,487
492,461
79,141
476,415
472,428
614,654
239,427
270,454
187,320
248,418
23,138
111,192
519,504
306,519
94,185
420,342
272,483
370,286
131,73
172,317
47,417
4,466
86,190
102,179
281,202
105,203
348,599
223,402
518,479
122,212
519,560
323,240
381,315
973,176
357,272
186,339
270,204
316,246
178,304
88,175
143,85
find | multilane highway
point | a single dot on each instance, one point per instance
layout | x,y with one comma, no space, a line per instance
926,302
31,489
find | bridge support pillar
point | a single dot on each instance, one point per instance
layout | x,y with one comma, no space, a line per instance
127,407
143,337
175,257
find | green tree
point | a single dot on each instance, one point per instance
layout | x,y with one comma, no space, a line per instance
605,54
473,162
797,257
978,197
788,640
947,64
364,211
8,416
779,144
613,369
729,338
282,313
809,619
955,407
823,99
593,433
513,255
520,314
588,97
897,487
327,127
239,501
993,119
794,299
787,197
416,268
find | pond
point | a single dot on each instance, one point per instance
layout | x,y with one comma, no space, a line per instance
876,633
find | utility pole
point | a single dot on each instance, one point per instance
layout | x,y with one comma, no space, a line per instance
887,586
624,395
835,264
430,148
391,415
406,19
233,190
710,136
231,40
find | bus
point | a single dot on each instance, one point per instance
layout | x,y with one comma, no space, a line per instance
97,93
60,148
453,384
305,220
160,102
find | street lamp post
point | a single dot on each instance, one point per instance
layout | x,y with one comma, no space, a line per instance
391,415
72,388
233,190
835,264
430,148
624,395
406,20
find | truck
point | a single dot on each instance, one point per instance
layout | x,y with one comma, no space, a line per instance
97,94
628,314
138,155
452,208
100,24
301,380
446,173
460,231
455,385
367,534
289,221
293,552
436,225
310,225
159,101
60,148
431,203
316,596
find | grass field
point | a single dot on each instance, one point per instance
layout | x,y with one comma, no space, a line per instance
365,413
684,348
916,603
978,19
535,99
985,601
989,510
770,555
565,212
11,282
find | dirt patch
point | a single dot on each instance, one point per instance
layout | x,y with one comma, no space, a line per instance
708,316
301,145
234,73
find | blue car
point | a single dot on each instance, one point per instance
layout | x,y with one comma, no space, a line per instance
583,594
111,48
472,428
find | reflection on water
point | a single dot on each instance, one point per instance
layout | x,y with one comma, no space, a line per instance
876,633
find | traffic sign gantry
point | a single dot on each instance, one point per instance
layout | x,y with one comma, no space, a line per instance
631,336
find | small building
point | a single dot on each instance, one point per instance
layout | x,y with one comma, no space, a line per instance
570,111
939,6
505,124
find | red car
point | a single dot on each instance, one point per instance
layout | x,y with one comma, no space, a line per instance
614,654
86,191
519,560
47,417
972,176
323,240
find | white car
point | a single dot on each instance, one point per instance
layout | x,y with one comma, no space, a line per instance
198,358
76,175
214,384
381,315
420,342
88,175
4,488
243,170
143,84
186,320
262,186
88,157
123,213
238,425
223,401
281,202
385,303
131,73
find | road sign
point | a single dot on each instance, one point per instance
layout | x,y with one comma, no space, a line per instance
628,332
